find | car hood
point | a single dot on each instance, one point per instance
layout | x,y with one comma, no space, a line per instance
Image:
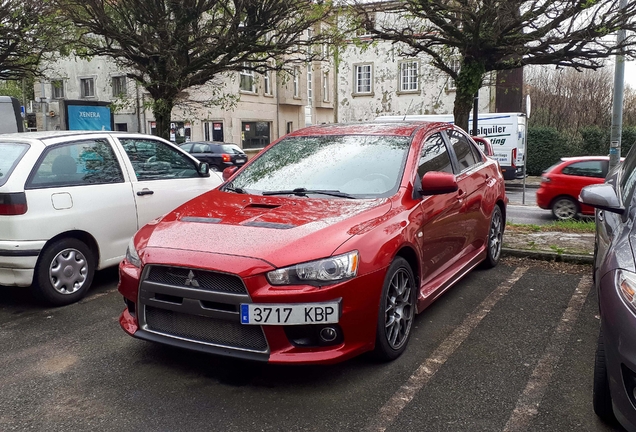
279,230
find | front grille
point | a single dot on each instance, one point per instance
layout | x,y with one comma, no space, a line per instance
201,279
206,329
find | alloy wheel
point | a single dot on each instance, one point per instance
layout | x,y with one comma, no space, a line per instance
496,235
399,309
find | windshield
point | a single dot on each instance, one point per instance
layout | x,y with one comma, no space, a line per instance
360,166
11,155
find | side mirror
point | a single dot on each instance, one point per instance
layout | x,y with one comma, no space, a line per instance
204,169
601,196
229,172
438,183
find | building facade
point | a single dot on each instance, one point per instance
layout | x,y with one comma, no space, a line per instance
261,107
374,79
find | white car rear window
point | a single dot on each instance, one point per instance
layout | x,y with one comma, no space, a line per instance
11,155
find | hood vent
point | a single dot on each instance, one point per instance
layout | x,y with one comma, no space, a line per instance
201,220
268,225
261,206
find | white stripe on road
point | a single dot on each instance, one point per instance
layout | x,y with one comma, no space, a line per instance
405,394
528,402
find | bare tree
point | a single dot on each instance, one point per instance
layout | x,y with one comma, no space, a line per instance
168,46
29,29
499,35
569,100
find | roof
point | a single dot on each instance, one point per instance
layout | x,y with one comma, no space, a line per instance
406,128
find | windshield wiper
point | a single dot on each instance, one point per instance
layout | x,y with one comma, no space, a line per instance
234,189
305,192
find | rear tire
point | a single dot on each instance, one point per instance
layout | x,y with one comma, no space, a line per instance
601,397
64,272
564,208
396,312
494,241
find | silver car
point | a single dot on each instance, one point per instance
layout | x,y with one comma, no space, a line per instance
615,280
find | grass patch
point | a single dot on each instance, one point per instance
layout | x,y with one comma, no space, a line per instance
571,226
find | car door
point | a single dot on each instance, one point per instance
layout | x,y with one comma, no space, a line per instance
440,237
164,176
471,182
577,175
80,186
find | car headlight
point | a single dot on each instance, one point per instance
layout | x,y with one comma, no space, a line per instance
131,254
626,283
321,272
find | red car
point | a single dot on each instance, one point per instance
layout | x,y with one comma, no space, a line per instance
561,185
322,247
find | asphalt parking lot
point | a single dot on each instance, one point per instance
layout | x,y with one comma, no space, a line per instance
507,349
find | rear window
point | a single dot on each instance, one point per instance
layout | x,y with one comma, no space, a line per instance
232,149
11,155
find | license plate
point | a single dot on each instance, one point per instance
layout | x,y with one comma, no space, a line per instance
240,161
290,314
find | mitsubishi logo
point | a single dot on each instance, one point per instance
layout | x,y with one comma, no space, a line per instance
191,280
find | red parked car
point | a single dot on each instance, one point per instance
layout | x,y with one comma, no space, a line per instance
322,247
561,185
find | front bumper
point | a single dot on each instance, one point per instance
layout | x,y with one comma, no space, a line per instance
18,260
618,322
201,314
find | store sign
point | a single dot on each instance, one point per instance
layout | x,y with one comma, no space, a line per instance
218,126
85,117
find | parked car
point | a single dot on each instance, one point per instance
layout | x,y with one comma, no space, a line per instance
218,155
615,280
484,145
70,201
561,185
322,247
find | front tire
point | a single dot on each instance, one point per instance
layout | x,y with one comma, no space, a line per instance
564,208
64,272
396,312
494,242
601,397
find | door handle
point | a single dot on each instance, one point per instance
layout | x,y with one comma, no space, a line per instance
600,216
145,192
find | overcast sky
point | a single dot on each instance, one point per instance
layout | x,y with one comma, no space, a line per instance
630,74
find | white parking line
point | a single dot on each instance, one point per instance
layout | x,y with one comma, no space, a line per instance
405,394
528,402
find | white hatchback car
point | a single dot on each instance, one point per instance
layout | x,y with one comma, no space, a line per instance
71,201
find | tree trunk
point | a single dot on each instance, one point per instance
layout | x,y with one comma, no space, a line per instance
162,110
468,83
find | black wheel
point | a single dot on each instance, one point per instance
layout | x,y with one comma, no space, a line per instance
564,208
397,311
601,398
64,272
494,241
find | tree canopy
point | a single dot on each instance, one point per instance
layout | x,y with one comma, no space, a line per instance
168,46
28,30
499,35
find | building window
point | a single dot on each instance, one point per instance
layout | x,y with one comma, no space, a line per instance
119,86
267,83
57,89
247,80
365,29
290,127
408,76
325,51
87,87
255,134
296,82
363,79
325,87
455,66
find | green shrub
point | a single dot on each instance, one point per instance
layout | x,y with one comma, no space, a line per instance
545,148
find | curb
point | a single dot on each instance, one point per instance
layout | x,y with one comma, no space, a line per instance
549,256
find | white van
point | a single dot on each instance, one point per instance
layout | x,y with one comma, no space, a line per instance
10,115
506,132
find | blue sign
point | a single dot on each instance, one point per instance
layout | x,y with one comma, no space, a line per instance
86,117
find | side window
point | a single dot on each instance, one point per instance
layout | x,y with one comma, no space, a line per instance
586,169
75,164
155,160
628,177
466,153
434,156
